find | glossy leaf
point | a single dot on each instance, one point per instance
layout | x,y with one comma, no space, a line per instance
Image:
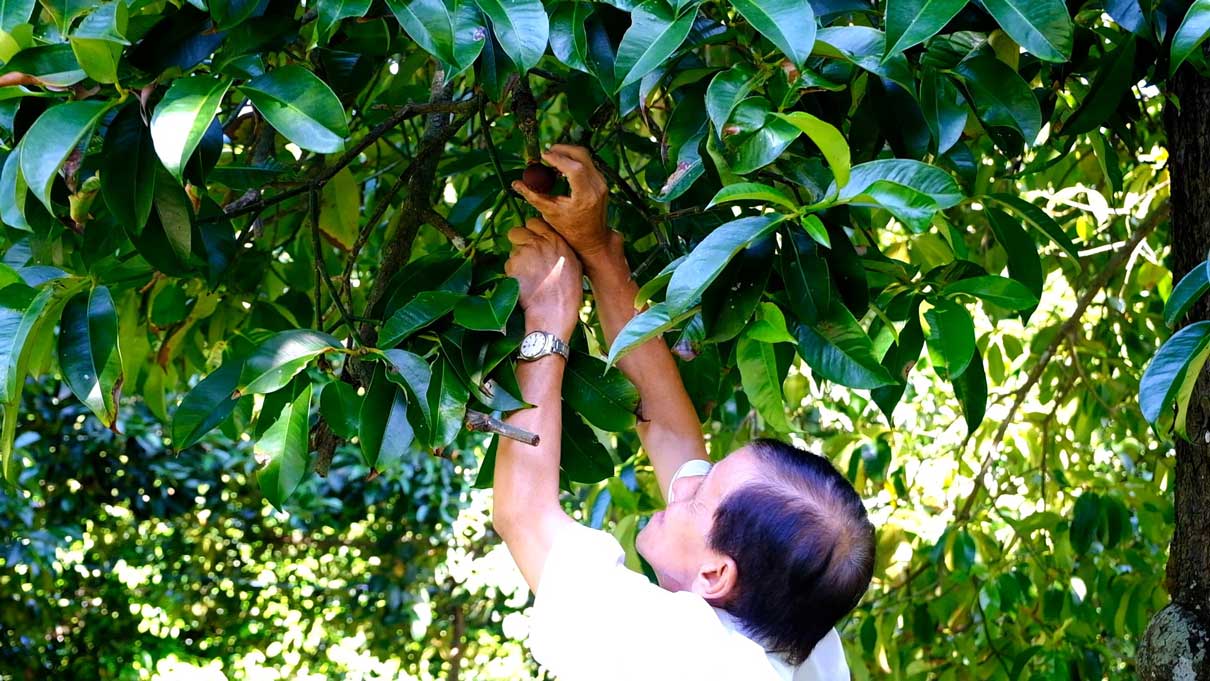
277,360
1194,29
1113,81
726,90
753,191
522,28
88,352
14,12
490,312
424,309
788,24
604,397
128,162
1024,265
340,209
1001,291
808,284
410,372
21,310
568,37
911,22
208,404
945,112
829,140
384,431
331,12
582,456
1038,219
182,117
710,256
1168,381
899,361
970,387
340,406
654,35
950,335
301,107
1043,27
650,323
283,449
758,373
13,191
1188,291
53,65
1000,97
837,349
51,139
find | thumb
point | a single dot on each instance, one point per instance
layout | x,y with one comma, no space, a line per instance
540,201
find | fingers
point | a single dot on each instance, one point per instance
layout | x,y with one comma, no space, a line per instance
541,228
579,175
520,236
573,151
540,201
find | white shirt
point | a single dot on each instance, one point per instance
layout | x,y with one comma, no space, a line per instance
595,620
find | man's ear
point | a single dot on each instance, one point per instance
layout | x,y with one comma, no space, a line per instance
717,579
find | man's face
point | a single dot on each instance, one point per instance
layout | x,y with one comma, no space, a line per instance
675,541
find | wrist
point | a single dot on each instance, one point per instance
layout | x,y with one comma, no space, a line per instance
560,324
608,259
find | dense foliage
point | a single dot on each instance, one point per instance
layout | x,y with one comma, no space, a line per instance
253,239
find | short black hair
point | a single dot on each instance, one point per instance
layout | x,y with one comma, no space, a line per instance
803,545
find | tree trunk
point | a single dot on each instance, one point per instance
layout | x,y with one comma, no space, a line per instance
1177,642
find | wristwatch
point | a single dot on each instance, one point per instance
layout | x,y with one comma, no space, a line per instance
538,344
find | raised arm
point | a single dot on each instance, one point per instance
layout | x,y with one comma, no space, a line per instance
526,510
669,429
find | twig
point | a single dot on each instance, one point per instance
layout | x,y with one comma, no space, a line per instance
1115,262
323,176
320,269
478,422
438,221
486,131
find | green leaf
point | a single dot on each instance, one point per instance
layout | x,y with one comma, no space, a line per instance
970,387
657,283
1024,265
604,397
1000,97
283,451
447,401
53,65
654,35
837,349
1038,219
582,457
644,326
815,228
945,112
1112,82
710,256
51,139
331,12
301,107
1042,27
1170,376
753,191
568,37
995,289
13,192
770,136
88,352
14,12
522,28
805,274
99,40
21,310
1185,295
182,117
726,90
865,47
277,360
65,11
923,178
950,335
231,13
427,22
911,22
759,376
128,164
340,209
340,406
1085,518
829,140
491,312
426,308
205,406
788,24
899,361
769,325
410,372
1191,34
385,433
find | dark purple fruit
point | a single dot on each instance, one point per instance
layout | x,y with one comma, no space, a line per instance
539,177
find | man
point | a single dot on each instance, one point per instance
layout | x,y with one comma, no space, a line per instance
757,557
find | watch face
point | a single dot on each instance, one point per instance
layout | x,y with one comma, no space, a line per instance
532,344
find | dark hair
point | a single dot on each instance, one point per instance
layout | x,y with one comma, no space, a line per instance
803,545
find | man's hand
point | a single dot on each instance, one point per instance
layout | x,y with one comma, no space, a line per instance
579,218
552,288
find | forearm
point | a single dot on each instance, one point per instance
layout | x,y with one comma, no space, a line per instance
526,510
670,431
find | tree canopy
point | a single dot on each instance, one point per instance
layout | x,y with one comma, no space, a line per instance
255,331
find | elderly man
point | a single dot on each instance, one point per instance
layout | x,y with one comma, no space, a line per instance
757,557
